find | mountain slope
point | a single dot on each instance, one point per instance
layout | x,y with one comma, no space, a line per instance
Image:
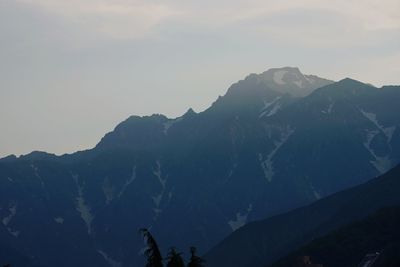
262,242
256,152
347,246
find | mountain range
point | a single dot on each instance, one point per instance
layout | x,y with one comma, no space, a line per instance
274,142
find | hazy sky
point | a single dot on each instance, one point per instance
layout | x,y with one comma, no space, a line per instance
70,70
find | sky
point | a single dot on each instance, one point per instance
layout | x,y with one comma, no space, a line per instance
71,70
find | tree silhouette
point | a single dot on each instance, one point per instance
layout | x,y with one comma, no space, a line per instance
195,261
152,252
174,258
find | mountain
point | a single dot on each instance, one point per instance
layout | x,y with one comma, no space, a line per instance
290,80
263,242
347,246
257,151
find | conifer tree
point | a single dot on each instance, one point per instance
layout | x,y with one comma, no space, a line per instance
152,252
195,261
175,259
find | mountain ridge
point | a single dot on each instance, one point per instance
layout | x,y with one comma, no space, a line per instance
191,112
254,153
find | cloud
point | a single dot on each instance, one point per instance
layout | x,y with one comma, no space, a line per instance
115,19
140,18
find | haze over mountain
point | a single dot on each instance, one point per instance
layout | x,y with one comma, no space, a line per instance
71,70
275,141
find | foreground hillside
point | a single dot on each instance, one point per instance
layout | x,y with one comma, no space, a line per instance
263,242
347,246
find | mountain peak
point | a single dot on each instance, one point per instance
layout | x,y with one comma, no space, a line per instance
291,80
38,155
348,83
8,158
189,112
287,68
348,80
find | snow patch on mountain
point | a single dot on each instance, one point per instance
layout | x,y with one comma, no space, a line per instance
6,220
316,194
299,83
128,182
240,219
329,108
270,108
81,206
296,77
266,166
12,211
14,233
370,135
267,163
158,174
270,103
158,198
278,76
274,109
372,117
310,79
381,164
290,80
59,220
109,260
388,131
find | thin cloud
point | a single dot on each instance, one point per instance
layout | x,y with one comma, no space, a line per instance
115,19
136,19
